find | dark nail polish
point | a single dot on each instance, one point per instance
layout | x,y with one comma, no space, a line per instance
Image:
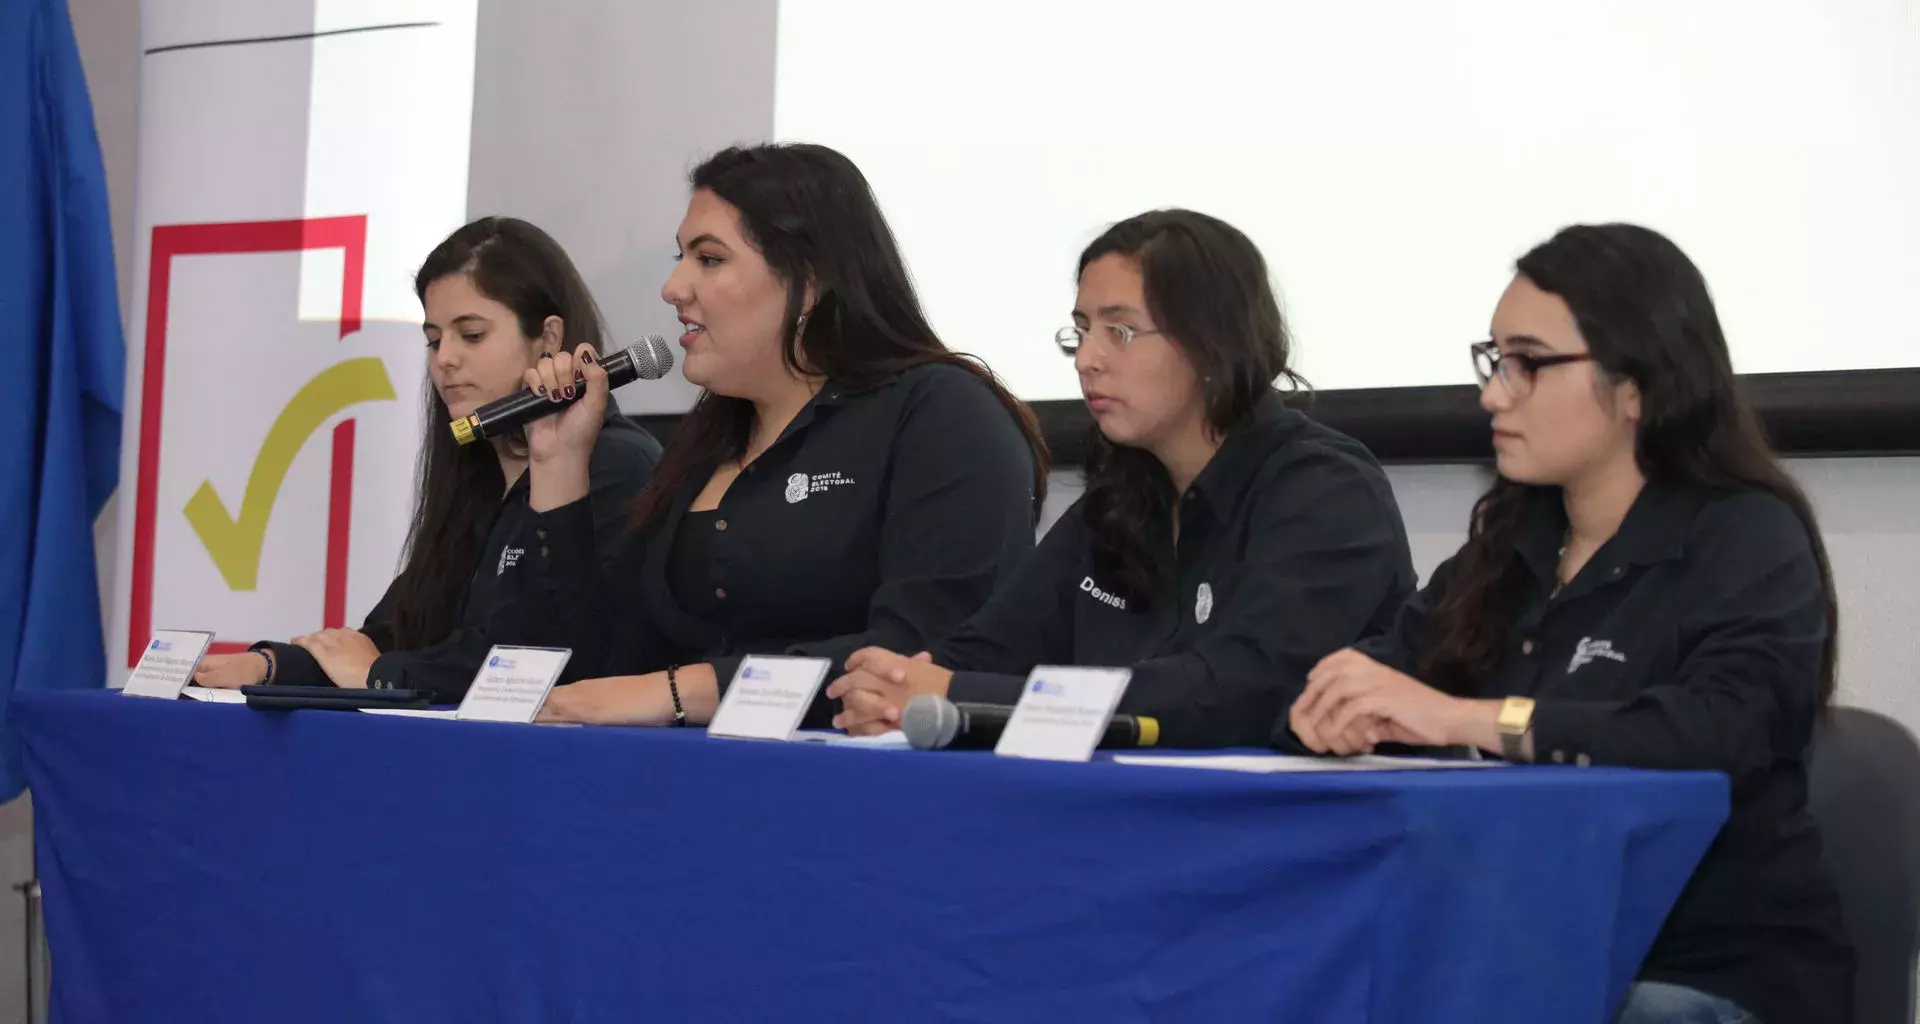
569,391
539,389
579,378
586,355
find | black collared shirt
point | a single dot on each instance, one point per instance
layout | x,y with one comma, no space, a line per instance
1691,640
880,517
1291,547
622,461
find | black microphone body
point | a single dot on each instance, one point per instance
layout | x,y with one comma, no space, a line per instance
931,726
649,359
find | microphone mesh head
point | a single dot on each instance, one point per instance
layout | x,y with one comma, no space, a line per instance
651,357
930,722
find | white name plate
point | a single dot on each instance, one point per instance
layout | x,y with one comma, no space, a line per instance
1063,712
512,684
167,665
768,697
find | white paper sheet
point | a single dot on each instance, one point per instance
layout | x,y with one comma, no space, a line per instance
893,740
213,695
1290,763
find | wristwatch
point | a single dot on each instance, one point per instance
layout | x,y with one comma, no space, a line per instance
1516,718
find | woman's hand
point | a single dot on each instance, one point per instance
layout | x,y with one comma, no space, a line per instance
614,700
1353,702
231,671
569,434
345,655
878,685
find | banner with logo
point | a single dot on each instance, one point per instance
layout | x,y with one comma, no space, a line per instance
297,161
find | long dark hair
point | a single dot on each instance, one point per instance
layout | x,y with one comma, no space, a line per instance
521,267
1208,292
1646,315
811,214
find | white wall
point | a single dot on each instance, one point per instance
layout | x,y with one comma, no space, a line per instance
1390,157
587,117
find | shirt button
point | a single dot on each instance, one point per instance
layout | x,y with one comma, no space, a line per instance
544,553
1583,760
1618,571
542,534
1559,757
1526,647
720,525
720,592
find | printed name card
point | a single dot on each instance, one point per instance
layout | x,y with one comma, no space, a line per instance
1063,712
768,697
167,665
512,684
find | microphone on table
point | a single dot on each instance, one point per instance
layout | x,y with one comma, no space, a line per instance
647,359
932,722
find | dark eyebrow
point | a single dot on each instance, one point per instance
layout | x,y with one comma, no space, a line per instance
1525,343
1118,311
697,239
464,318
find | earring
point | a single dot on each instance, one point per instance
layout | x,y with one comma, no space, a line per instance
800,326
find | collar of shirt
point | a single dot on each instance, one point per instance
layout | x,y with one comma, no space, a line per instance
1226,477
832,395
1655,530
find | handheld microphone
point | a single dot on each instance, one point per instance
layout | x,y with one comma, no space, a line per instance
932,722
647,359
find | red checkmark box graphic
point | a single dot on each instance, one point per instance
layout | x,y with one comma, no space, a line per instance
345,233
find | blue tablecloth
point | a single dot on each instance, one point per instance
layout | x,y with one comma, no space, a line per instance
214,863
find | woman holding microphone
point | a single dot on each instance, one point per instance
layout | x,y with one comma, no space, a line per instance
1643,585
1225,543
500,296
844,479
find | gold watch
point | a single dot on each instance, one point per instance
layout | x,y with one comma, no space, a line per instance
1516,718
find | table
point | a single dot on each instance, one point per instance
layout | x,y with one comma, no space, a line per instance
215,863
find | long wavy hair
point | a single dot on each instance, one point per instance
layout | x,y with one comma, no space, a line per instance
1208,291
521,267
1645,312
811,214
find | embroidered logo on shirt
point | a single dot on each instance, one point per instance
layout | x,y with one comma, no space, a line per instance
509,557
1203,604
799,485
1102,596
1589,649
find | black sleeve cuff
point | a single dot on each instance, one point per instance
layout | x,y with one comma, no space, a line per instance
293,666
724,668
1564,730
986,688
563,540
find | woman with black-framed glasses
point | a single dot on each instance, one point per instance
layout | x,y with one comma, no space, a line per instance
1645,586
1225,541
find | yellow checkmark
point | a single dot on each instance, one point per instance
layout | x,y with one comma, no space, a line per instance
234,542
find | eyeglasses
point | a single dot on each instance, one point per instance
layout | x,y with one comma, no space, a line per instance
1516,370
1071,337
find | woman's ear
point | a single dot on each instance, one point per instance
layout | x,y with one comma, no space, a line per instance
553,334
1628,396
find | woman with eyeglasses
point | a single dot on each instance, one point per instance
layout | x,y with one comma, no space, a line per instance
1645,586
1225,542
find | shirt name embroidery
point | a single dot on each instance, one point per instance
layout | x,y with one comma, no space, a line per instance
1102,596
799,485
509,557
1589,649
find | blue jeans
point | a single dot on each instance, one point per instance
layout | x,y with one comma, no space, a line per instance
1656,1002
